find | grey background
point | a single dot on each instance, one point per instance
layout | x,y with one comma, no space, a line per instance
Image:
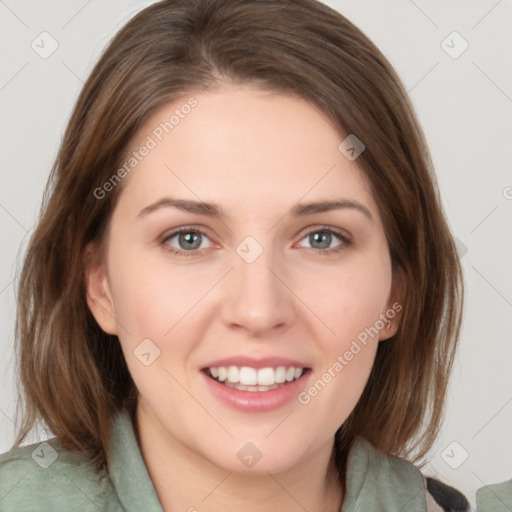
464,105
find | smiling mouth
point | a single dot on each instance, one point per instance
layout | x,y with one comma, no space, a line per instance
245,378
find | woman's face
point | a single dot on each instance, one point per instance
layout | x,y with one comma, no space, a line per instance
264,284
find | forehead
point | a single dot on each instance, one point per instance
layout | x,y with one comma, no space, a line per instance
241,146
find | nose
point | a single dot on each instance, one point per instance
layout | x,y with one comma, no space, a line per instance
257,298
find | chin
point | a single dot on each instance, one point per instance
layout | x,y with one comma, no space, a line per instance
257,457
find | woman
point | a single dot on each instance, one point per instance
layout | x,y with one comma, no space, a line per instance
180,331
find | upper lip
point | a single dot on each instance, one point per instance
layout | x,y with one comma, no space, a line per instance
252,362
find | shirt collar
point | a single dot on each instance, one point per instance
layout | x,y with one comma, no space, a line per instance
376,481
128,471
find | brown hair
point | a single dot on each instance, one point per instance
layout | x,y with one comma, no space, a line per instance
73,374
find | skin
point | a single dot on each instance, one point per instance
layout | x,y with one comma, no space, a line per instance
256,154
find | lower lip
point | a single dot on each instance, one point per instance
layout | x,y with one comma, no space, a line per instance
257,401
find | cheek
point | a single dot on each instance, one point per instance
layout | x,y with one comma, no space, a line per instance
348,299
346,358
335,392
151,296
162,303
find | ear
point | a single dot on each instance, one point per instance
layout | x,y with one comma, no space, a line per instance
99,297
392,315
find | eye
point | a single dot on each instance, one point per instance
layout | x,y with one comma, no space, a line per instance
188,240
320,240
191,241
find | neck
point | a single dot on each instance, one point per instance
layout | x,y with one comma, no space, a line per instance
186,481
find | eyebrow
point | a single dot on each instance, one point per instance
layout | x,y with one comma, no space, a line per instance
215,210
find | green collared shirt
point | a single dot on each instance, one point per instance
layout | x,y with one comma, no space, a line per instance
495,497
44,477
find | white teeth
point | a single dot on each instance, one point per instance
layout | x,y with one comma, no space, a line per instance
252,379
248,376
233,374
266,377
280,374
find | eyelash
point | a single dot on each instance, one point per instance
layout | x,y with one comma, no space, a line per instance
346,242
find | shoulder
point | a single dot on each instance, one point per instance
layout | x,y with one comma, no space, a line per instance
45,476
400,481
495,497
